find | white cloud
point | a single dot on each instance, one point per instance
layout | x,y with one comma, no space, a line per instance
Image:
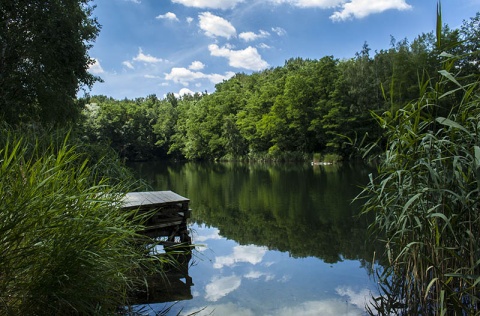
219,287
249,254
248,58
221,309
359,299
196,65
312,3
185,76
362,8
96,68
185,91
189,19
128,64
168,16
215,234
151,77
258,275
209,4
214,26
279,31
217,78
146,58
263,46
251,36
324,308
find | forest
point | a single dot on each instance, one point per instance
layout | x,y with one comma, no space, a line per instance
326,106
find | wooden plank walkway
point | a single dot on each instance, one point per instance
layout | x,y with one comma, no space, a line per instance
152,199
169,215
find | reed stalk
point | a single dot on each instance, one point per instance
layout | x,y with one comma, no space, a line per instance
66,247
426,201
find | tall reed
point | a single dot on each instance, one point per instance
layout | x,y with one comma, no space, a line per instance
66,248
426,200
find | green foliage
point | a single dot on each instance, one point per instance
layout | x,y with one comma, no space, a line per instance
128,126
425,200
44,59
66,248
287,112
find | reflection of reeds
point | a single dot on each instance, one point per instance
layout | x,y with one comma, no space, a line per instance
65,246
426,203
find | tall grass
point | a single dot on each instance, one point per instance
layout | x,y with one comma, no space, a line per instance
66,248
426,201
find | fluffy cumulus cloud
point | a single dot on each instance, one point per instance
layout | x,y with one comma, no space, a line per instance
185,91
348,9
209,4
95,68
168,16
215,26
312,3
186,76
251,36
141,57
196,65
183,75
217,78
248,58
362,8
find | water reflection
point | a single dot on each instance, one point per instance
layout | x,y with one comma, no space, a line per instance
250,254
276,240
301,209
174,284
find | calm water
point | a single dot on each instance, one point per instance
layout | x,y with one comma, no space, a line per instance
273,239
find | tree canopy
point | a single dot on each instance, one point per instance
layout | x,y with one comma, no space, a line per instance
44,58
305,106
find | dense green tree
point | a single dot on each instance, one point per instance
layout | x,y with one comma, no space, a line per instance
306,106
44,58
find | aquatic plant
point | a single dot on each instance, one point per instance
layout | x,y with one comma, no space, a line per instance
66,247
426,200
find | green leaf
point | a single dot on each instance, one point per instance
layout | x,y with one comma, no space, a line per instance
477,156
449,76
450,123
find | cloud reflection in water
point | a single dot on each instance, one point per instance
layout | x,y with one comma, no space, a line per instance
249,254
219,287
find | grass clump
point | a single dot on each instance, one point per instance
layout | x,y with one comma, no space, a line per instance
66,248
426,202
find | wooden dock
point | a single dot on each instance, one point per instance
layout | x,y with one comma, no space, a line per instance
169,215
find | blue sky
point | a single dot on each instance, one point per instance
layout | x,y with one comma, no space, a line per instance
184,46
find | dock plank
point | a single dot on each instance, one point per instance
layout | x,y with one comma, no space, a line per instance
152,199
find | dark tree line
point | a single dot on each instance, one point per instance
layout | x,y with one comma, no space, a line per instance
303,107
44,59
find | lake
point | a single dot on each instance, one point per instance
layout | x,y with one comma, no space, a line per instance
272,239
